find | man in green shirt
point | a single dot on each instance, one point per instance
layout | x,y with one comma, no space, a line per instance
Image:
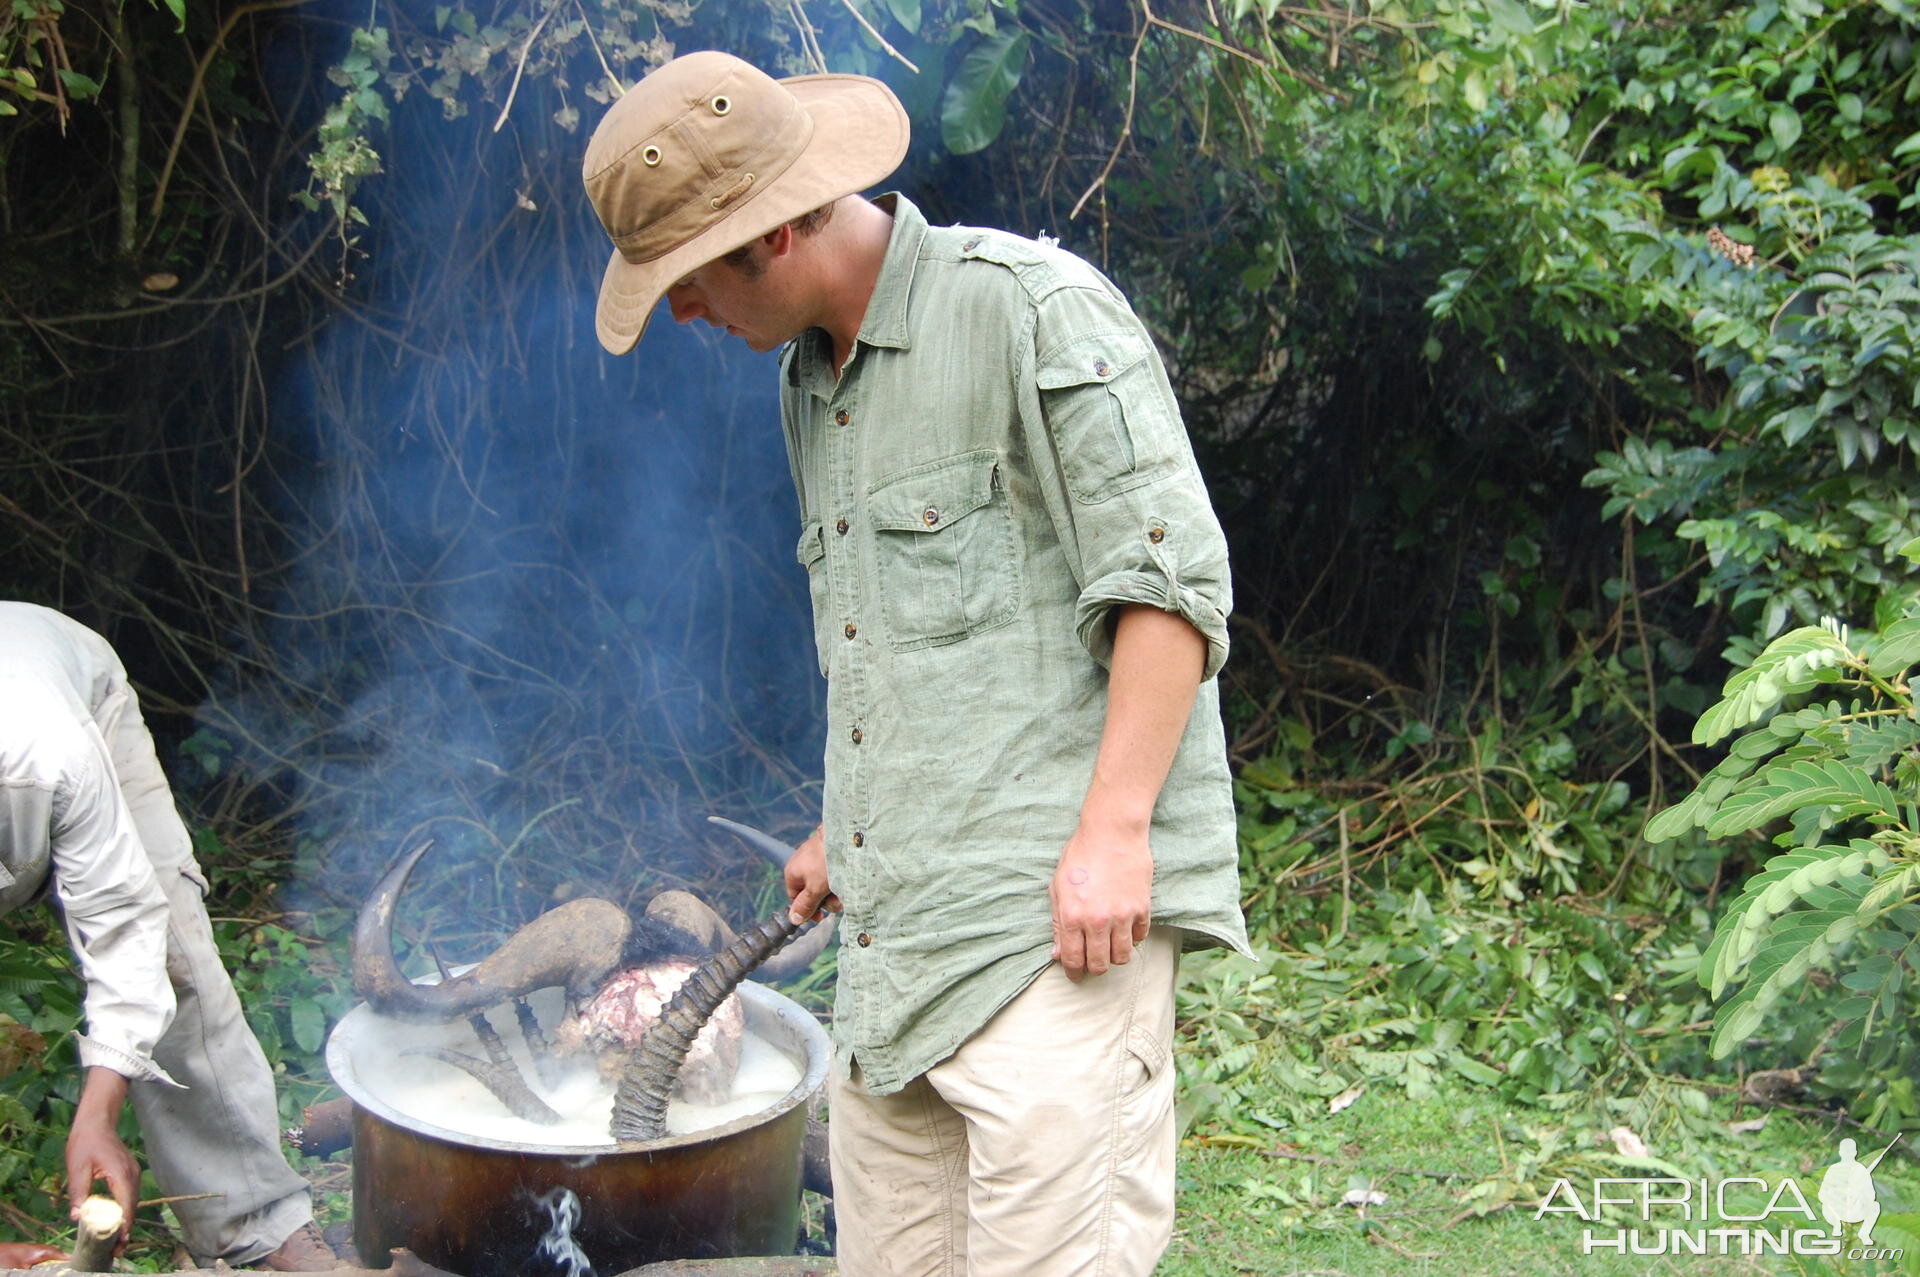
1019,593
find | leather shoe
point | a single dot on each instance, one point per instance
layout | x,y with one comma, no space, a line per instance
306,1251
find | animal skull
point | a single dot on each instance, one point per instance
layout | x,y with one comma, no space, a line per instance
618,974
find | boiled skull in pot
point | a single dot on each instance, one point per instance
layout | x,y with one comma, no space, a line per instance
619,975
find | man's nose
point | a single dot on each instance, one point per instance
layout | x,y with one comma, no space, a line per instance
685,307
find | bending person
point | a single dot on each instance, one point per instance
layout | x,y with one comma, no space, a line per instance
86,817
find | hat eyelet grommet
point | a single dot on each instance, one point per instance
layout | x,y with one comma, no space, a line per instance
651,157
722,104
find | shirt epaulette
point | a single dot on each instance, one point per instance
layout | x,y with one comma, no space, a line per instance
1042,269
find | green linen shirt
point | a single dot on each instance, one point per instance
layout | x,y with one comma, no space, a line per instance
999,464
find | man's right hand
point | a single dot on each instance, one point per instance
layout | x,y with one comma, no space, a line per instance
94,1150
806,876
27,1254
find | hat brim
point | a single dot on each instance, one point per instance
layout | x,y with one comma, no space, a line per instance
860,135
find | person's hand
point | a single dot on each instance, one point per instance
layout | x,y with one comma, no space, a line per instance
27,1254
806,877
1102,896
94,1150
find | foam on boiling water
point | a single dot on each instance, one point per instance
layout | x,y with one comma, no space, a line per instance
440,1094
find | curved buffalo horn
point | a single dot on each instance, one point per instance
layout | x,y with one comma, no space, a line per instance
575,946
776,852
798,956
693,917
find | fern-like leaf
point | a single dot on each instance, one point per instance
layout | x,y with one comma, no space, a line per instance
1743,756
1797,661
1796,944
1871,746
1897,648
1888,890
1780,884
1787,787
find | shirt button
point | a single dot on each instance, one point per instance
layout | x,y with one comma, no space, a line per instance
970,245
856,731
931,515
841,418
841,527
1101,368
859,839
863,940
1156,535
852,630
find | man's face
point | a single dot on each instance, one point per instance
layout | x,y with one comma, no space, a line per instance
751,302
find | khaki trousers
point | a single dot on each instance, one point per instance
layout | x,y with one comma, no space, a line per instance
1043,1147
221,1133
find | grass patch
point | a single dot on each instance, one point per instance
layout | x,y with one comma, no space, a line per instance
1272,1206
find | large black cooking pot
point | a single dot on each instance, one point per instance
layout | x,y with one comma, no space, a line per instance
480,1207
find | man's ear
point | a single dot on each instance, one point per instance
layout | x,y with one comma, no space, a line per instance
779,240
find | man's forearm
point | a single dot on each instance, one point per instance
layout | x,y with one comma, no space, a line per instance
102,1096
1157,661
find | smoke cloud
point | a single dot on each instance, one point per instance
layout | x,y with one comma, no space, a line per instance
534,602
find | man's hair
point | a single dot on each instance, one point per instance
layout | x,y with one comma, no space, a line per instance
742,258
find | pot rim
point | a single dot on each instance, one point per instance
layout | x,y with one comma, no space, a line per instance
761,1002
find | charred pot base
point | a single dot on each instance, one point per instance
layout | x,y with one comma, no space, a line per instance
487,1208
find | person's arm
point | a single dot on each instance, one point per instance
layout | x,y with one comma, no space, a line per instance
27,1254
115,913
1102,891
94,1150
1115,472
116,918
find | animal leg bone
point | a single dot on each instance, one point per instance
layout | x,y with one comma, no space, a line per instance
501,1078
543,1062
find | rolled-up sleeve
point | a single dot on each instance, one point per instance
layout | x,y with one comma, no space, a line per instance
116,916
1118,473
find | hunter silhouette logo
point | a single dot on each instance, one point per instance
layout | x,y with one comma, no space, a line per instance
1846,1192
1671,1216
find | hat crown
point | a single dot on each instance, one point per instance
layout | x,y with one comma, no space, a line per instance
688,146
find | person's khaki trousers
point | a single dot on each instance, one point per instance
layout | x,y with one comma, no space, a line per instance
1043,1147
221,1133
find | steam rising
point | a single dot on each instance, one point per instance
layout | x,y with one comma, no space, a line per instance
386,1066
534,602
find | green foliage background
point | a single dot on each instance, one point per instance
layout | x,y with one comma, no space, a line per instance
1548,362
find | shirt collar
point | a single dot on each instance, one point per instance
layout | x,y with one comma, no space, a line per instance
885,323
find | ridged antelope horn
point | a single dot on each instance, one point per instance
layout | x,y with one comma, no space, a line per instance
575,947
640,1101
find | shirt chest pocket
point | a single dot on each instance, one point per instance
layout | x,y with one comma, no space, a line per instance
1114,420
945,558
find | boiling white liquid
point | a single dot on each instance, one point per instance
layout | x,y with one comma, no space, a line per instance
443,1095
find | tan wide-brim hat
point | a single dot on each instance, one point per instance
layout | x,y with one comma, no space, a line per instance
709,153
